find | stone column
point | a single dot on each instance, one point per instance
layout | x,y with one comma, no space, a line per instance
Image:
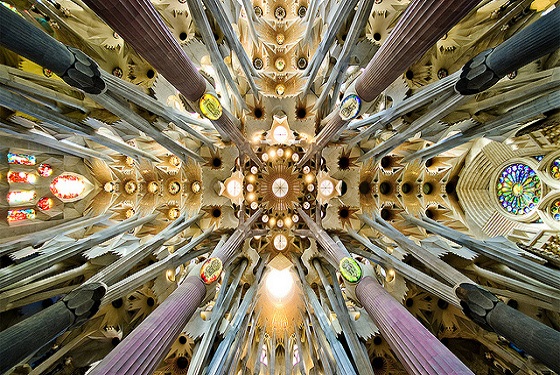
536,40
535,338
418,29
25,338
143,350
419,351
228,250
70,64
423,22
139,23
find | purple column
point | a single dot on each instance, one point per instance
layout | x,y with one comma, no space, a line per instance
139,23
145,347
419,351
419,28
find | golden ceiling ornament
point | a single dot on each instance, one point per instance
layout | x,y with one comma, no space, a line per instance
196,187
210,107
280,89
280,187
130,213
153,187
109,187
173,213
173,187
130,187
174,160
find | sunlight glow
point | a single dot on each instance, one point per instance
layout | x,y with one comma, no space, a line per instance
279,283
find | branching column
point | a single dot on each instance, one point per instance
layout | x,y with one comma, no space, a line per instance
419,351
536,40
70,64
419,28
138,22
423,22
535,338
142,351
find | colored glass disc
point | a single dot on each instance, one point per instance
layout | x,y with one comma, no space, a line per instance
211,270
45,204
350,270
518,189
45,170
555,169
555,210
350,107
210,107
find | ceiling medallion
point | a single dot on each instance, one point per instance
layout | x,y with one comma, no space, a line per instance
210,107
211,270
280,188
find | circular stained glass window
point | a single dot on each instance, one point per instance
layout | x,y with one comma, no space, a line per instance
518,189
555,169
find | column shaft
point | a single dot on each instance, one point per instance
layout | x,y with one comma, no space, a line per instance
419,351
143,350
28,336
139,23
419,28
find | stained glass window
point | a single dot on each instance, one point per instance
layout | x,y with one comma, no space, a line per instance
21,159
21,177
555,210
16,197
45,204
67,186
45,170
518,189
555,169
21,214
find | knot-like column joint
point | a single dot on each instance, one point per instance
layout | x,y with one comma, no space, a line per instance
84,301
84,73
476,75
476,303
530,335
25,338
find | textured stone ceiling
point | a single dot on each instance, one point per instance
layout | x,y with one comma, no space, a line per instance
281,154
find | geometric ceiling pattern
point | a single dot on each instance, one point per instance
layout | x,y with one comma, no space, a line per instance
279,187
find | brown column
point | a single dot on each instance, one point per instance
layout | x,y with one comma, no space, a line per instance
419,28
139,23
